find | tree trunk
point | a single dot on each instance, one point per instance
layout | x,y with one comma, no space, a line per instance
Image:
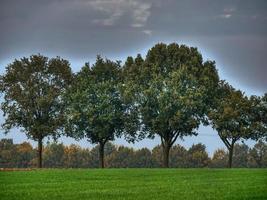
101,155
166,152
40,149
231,151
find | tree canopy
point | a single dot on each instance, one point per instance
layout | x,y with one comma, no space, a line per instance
172,88
168,93
33,90
94,107
231,117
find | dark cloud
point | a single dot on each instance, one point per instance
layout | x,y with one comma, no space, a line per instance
232,32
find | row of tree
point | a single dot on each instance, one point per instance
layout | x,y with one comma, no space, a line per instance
73,156
168,94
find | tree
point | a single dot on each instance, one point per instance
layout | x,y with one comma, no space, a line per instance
219,159
197,156
231,117
54,155
32,90
157,156
94,154
72,156
258,117
264,115
257,156
95,110
178,156
240,155
172,90
7,153
142,158
122,157
24,154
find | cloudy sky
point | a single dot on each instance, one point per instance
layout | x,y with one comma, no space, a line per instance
233,33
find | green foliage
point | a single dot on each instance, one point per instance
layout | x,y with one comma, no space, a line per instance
197,156
32,90
240,155
258,155
232,116
142,158
76,157
179,157
15,155
24,154
258,117
122,157
73,156
169,93
54,155
7,153
95,110
172,91
109,148
219,159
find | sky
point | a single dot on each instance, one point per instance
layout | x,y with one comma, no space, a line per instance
231,32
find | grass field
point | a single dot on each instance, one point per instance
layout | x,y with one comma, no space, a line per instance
134,184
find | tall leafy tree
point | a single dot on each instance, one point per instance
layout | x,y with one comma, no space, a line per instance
231,117
32,90
258,117
172,90
95,110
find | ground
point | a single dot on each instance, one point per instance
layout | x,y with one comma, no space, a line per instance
134,184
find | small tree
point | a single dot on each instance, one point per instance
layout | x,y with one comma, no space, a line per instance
121,158
142,158
178,156
8,153
258,155
219,159
95,110
32,90
172,91
24,154
197,156
231,117
240,155
53,155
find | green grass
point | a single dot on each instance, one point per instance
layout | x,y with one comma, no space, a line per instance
134,184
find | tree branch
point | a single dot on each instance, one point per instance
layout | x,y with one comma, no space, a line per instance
225,141
176,135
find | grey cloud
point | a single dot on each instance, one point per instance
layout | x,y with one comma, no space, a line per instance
139,11
234,31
